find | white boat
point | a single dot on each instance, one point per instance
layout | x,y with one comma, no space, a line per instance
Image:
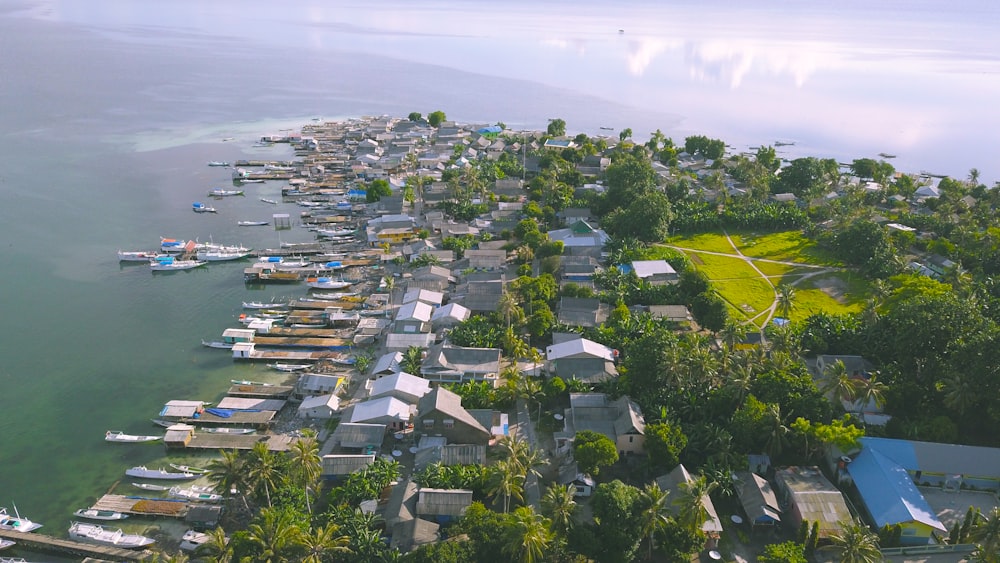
217,344
163,423
247,382
16,522
251,181
221,255
327,283
94,533
278,168
236,431
199,207
262,305
95,514
119,436
289,367
217,163
191,494
252,223
192,540
168,264
150,487
220,192
189,469
336,296
172,245
4,544
142,472
271,201
335,232
137,256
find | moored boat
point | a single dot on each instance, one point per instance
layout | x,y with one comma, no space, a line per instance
137,256
327,283
235,431
168,264
192,494
163,423
150,487
217,163
194,539
217,344
262,305
95,514
189,469
271,201
95,533
16,522
119,436
215,255
5,543
143,472
221,192
252,223
247,382
335,232
172,245
199,207
289,367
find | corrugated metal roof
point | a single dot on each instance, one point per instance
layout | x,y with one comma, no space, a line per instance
888,491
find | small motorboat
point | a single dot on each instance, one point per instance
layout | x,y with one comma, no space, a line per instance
271,201
4,544
289,368
335,232
250,180
217,344
143,473
163,423
327,283
252,223
246,382
199,207
95,514
94,533
168,264
150,487
221,255
221,192
119,436
234,431
16,522
189,469
137,256
217,163
194,494
262,305
193,539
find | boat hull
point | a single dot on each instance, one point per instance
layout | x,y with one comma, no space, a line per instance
94,514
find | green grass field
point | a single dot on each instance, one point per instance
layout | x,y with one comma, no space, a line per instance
722,267
748,296
712,242
787,246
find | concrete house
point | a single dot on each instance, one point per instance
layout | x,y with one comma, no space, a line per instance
337,466
392,412
440,413
316,384
443,505
367,438
449,315
387,364
320,407
403,386
451,364
486,259
432,298
620,420
581,239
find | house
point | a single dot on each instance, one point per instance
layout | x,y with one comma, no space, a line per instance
436,274
580,239
443,505
759,502
856,366
483,292
402,504
432,298
387,364
936,464
656,272
337,466
583,484
449,315
620,420
674,482
411,534
392,412
317,384
579,348
440,413
358,435
486,259
577,269
321,406
414,311
403,386
203,517
451,364
449,454
581,311
808,495
671,313
571,215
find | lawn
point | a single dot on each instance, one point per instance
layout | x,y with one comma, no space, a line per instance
722,267
788,246
851,291
711,242
772,270
811,301
749,296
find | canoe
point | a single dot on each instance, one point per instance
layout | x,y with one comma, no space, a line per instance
189,469
230,430
94,514
144,473
252,223
195,495
150,487
119,436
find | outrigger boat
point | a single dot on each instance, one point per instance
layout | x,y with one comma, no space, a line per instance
94,533
194,494
119,436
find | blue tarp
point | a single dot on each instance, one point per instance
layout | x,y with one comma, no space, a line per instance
333,264
490,129
221,413
274,258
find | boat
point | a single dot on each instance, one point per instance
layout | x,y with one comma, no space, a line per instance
217,344
253,223
327,283
95,514
289,367
189,469
199,207
335,232
235,431
278,168
137,256
119,436
95,533
150,487
262,305
271,201
142,472
215,255
221,192
16,522
335,296
250,180
192,494
193,539
172,245
168,264
4,543
217,163
163,423
246,382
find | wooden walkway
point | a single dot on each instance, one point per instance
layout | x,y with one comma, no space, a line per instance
206,441
138,505
49,544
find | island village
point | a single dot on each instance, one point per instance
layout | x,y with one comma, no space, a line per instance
488,360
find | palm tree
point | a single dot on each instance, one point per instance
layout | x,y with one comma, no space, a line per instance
559,504
508,482
733,333
777,436
323,541
655,514
786,298
508,308
986,534
872,391
973,177
691,503
529,535
855,543
273,534
306,464
838,382
262,469
228,474
217,547
742,378
413,359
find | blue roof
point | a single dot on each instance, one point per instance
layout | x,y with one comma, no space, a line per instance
624,268
899,451
490,129
888,491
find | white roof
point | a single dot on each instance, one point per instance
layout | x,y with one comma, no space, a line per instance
331,401
579,348
388,362
386,407
648,268
425,295
415,310
402,382
451,310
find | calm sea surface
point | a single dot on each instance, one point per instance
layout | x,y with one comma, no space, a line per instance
109,111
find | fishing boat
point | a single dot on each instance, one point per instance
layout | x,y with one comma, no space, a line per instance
235,431
222,192
327,283
217,344
95,514
193,539
252,223
163,423
247,382
119,436
5,543
168,264
137,256
250,180
335,232
271,201
199,207
192,494
95,533
172,245
189,469
150,487
16,522
217,163
216,255
335,296
142,472
289,368
262,305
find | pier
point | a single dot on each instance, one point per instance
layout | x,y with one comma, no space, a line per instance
49,544
206,441
137,505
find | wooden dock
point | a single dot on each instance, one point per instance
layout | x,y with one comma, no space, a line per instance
298,342
260,391
138,505
207,441
49,544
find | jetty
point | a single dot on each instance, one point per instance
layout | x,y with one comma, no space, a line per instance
49,544
138,505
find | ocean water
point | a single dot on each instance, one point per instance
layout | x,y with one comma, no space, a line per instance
109,111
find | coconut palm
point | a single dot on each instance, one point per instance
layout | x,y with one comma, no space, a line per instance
306,465
855,543
838,382
777,432
217,547
273,534
528,536
322,541
228,474
985,533
559,505
786,299
692,511
733,333
872,391
655,513
413,359
508,308
262,469
507,482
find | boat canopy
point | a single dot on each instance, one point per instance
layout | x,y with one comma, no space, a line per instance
333,264
165,259
274,259
323,279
